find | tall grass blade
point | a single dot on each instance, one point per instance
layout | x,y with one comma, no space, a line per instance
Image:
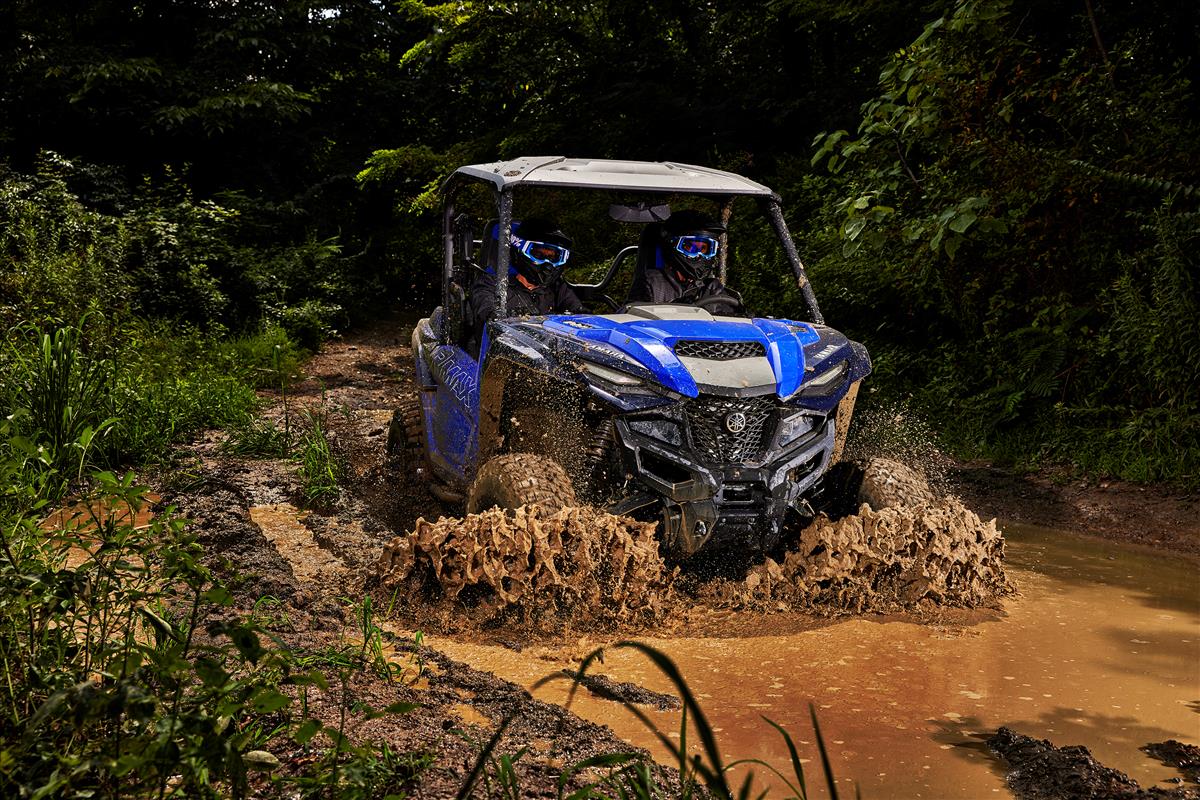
829,779
481,763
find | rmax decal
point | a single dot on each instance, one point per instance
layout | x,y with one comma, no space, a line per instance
458,379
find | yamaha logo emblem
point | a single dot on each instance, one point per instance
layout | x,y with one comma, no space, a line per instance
735,422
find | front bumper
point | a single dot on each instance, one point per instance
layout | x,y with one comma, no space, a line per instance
708,504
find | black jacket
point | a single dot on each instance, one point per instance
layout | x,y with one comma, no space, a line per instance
550,298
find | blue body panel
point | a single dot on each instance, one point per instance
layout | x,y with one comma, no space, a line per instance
452,412
451,377
651,344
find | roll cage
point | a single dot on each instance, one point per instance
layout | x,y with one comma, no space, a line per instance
641,177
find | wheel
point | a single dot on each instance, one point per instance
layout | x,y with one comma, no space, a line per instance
407,429
889,484
513,480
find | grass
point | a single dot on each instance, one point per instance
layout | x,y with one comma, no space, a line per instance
257,438
320,470
138,390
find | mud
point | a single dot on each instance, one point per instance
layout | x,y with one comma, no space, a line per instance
583,568
888,483
900,560
623,691
1041,771
1181,756
576,564
894,559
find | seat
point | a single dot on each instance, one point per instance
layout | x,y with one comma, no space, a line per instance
648,258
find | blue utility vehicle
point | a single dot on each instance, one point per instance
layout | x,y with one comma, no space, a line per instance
717,427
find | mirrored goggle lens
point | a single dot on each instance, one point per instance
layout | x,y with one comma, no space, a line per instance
545,253
692,246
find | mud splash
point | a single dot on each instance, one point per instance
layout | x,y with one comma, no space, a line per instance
577,563
888,560
586,568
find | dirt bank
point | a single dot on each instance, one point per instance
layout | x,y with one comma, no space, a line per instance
1040,771
1155,516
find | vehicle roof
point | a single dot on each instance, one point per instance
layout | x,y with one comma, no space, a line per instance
595,173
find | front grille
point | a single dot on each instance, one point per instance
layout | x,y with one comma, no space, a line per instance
719,351
707,417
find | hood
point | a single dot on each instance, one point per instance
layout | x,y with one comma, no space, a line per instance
688,350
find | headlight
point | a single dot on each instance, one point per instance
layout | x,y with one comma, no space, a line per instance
824,383
614,381
613,376
793,427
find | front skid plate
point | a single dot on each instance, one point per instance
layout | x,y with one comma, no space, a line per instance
710,505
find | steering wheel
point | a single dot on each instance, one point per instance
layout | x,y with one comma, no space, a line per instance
716,300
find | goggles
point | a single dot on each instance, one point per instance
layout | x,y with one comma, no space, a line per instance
542,252
696,246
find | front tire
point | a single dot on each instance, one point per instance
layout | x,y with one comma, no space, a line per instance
887,483
513,480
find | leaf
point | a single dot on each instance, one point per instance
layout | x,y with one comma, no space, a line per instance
210,671
160,625
247,643
219,595
268,700
963,221
307,731
952,245
854,227
48,709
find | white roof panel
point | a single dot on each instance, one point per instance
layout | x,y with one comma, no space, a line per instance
642,176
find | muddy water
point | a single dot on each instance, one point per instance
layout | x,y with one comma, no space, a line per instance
1101,647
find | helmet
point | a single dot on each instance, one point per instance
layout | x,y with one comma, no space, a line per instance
539,250
690,243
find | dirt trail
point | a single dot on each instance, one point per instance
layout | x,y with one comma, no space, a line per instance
310,566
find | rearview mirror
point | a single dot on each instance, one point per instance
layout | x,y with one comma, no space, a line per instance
639,212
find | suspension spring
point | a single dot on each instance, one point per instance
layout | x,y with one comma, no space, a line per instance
599,449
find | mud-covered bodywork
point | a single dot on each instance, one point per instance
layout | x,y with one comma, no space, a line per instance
716,426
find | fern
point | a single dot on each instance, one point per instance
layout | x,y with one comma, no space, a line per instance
1135,181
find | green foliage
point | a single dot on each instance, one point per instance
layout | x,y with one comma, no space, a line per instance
61,396
1016,230
60,256
320,469
257,438
124,671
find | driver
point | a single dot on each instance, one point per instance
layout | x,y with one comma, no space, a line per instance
538,254
684,256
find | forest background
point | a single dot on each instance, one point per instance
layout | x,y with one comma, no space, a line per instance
999,197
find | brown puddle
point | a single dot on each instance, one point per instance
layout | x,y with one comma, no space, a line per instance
1101,647
80,520
283,525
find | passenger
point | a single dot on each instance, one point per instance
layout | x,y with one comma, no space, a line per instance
538,254
676,260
